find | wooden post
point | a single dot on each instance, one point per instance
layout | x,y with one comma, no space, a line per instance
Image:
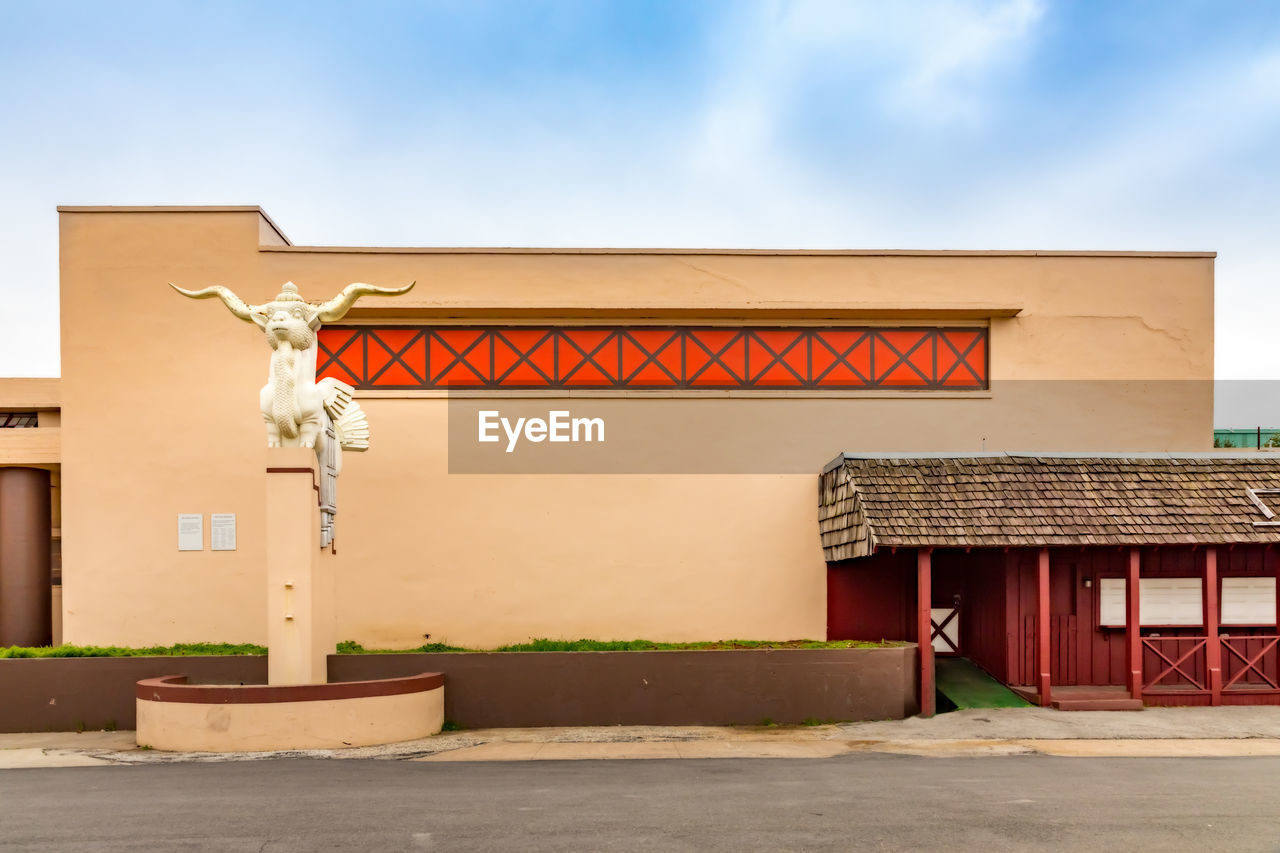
1133,623
924,628
1213,646
1043,672
1012,568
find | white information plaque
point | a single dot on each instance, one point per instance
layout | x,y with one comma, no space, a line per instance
190,532
1111,602
222,531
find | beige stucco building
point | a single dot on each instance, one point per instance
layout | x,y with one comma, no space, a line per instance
724,381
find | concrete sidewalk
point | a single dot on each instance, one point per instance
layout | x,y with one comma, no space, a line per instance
1155,732
1244,721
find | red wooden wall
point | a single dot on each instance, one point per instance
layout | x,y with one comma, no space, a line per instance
1081,652
977,579
874,598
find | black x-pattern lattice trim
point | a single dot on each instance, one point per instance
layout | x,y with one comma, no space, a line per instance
841,358
588,358
805,337
714,358
962,358
398,358
485,337
525,357
904,357
754,374
335,357
651,357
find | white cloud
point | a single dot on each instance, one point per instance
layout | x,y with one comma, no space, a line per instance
934,56
1170,162
929,63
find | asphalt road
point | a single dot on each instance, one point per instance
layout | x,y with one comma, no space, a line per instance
859,802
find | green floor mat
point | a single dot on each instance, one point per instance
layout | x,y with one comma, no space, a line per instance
967,686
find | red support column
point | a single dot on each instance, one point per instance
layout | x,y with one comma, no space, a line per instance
1133,624
924,628
1042,628
1213,648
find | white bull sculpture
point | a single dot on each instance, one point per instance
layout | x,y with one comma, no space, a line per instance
293,404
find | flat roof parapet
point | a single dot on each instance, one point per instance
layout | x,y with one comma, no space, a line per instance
516,250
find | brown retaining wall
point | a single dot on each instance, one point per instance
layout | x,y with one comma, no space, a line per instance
498,689
69,694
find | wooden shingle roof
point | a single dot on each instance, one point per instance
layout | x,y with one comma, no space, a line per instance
1007,500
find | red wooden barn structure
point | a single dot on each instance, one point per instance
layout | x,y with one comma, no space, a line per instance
1028,566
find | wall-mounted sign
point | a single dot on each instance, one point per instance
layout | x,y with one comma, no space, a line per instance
1248,601
222,531
1161,601
1111,601
190,532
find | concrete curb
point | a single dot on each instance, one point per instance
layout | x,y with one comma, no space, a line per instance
34,750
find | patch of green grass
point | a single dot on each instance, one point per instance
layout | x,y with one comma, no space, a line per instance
814,721
545,645
768,722
451,726
542,644
177,650
351,647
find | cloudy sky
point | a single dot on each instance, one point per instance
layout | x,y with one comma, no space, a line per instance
807,124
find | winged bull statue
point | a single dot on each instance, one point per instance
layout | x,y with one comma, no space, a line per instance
293,403
299,411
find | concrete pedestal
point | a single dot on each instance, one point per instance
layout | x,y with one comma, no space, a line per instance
296,709
300,618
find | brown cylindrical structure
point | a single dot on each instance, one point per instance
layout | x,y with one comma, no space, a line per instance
25,532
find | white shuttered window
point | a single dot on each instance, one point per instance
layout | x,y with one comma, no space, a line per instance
1248,601
1162,601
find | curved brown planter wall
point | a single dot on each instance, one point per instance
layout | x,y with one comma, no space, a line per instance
175,715
179,688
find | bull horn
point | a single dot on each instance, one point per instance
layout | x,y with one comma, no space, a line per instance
234,303
337,307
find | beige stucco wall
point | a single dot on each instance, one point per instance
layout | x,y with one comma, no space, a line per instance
159,417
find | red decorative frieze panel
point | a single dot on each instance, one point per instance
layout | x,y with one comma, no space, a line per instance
643,357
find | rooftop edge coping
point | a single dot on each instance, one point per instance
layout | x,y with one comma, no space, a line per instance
1063,253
